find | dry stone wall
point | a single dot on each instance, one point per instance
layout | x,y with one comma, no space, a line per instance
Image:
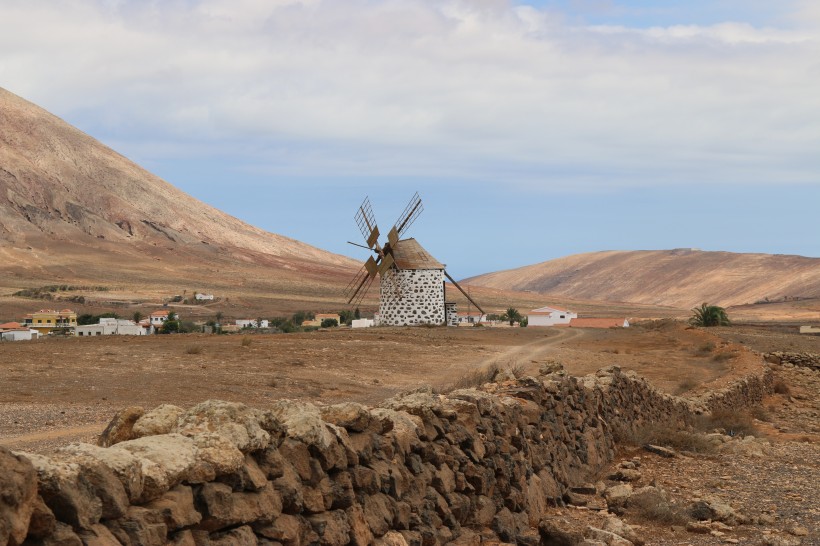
421,469
804,360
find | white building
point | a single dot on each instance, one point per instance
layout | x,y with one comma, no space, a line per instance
550,316
471,317
204,297
20,334
362,323
252,323
110,327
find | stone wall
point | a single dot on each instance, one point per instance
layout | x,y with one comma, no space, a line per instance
805,360
420,469
410,297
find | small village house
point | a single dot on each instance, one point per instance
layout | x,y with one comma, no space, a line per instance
470,317
112,326
203,297
46,321
252,323
158,318
550,316
14,331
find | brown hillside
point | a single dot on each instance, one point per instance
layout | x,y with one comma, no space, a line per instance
677,278
73,210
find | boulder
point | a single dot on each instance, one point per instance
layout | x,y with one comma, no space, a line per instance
121,427
126,466
222,507
349,415
304,423
176,508
18,496
220,454
160,420
236,422
165,460
139,527
241,536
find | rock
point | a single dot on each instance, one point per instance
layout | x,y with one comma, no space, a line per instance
236,422
126,466
139,527
249,477
18,496
617,497
391,538
360,533
42,523
66,491
557,531
221,507
797,530
712,508
781,540
349,415
699,527
660,450
99,535
176,508
121,427
241,536
219,453
304,423
585,489
332,527
766,519
627,475
620,528
165,460
289,530
160,420
63,535
607,537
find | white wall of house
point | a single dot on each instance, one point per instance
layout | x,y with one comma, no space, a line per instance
362,323
202,297
252,323
549,316
110,327
19,335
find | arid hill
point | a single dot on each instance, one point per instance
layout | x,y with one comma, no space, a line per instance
677,278
73,210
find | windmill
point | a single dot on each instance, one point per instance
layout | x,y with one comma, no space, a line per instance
411,281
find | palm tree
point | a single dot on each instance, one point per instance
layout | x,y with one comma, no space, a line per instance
709,315
511,315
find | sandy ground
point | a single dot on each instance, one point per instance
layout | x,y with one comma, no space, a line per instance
55,390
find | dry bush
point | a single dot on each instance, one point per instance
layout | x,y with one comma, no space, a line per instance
663,435
723,357
272,382
476,378
780,387
706,348
246,341
760,413
686,385
516,368
193,350
734,422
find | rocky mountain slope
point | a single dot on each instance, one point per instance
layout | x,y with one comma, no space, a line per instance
72,208
677,278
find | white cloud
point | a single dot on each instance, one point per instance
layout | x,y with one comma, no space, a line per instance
477,90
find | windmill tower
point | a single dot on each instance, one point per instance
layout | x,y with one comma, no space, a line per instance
411,280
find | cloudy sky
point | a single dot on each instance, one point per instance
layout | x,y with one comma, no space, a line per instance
532,130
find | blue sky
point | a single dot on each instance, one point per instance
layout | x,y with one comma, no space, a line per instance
532,130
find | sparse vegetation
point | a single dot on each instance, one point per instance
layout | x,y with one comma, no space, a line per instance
511,315
780,387
706,348
685,386
665,435
193,350
330,323
246,341
667,513
733,422
709,315
88,318
723,357
476,378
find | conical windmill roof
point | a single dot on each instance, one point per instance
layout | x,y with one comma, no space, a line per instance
409,254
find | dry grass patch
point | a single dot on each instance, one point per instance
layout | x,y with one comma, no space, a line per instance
660,512
685,386
664,435
733,422
246,341
780,387
193,350
476,378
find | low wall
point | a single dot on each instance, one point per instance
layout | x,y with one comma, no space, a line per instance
804,360
420,469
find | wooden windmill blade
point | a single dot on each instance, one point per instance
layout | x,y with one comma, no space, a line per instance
408,216
360,295
358,285
366,221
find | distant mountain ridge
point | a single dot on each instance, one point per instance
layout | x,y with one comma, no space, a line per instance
679,278
72,207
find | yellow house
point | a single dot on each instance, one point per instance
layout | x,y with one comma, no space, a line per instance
47,320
